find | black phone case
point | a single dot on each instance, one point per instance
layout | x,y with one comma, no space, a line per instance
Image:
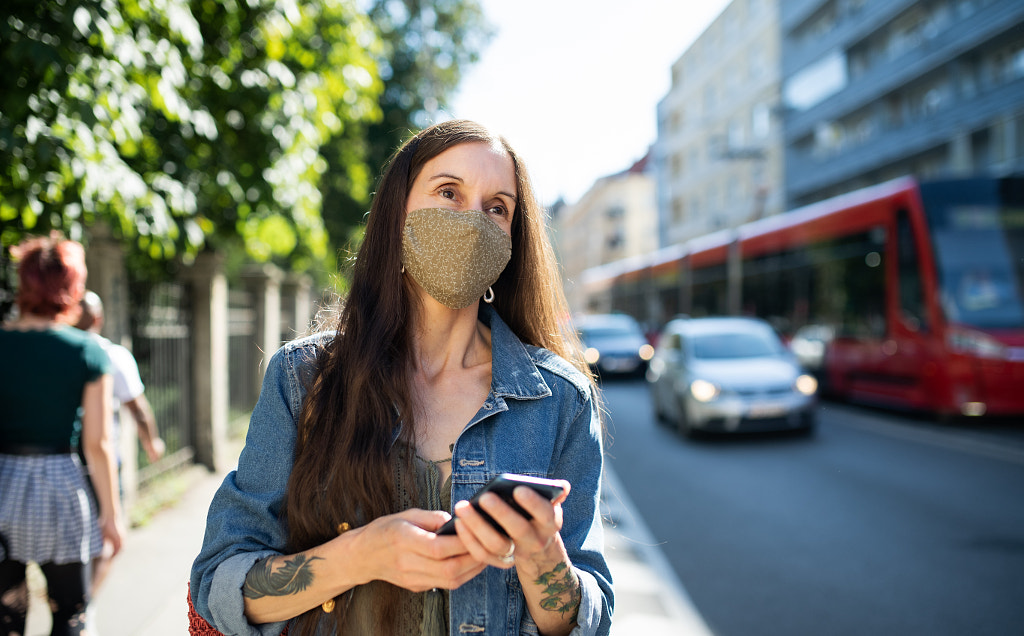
503,485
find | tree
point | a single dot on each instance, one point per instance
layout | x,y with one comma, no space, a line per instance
426,46
184,124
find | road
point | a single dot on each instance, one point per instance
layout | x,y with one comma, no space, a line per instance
877,524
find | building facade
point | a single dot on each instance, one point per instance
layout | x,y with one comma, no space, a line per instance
877,89
718,153
615,219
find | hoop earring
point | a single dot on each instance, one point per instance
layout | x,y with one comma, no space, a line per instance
489,295
403,268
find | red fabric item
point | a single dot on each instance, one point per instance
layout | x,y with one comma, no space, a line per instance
197,625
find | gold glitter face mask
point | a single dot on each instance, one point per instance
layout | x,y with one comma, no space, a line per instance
454,255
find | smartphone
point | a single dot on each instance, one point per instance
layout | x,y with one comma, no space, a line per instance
503,485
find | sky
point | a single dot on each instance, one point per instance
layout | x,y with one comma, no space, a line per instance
574,85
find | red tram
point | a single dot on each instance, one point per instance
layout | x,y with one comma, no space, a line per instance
907,294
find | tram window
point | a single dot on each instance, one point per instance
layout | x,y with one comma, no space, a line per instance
849,284
776,287
710,287
911,292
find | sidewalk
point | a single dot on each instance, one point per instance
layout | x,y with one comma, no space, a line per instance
145,591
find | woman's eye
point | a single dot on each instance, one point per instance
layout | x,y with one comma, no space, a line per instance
499,210
448,193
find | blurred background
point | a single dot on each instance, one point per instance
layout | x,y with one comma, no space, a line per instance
848,172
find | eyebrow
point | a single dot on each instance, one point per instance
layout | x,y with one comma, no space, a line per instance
445,175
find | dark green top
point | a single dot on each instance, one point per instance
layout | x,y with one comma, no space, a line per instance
42,376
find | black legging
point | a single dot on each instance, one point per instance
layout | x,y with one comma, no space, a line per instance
68,590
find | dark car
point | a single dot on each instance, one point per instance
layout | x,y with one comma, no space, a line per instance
614,343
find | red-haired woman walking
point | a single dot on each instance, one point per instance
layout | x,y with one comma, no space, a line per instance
55,393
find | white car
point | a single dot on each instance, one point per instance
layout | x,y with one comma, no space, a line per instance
728,375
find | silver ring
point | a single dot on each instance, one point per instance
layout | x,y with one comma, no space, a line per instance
508,556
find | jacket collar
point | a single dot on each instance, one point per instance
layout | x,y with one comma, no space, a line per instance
513,370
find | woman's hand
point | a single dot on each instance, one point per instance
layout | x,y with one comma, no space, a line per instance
528,541
113,533
402,549
534,547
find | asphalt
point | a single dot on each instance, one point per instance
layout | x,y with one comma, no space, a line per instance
144,595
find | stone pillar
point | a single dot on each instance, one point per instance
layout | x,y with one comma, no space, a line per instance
104,258
209,358
264,283
297,298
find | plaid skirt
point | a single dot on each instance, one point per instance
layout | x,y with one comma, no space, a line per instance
47,510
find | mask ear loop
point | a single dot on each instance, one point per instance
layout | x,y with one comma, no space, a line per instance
489,295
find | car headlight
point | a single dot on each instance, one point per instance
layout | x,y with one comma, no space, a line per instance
806,384
703,391
591,355
646,352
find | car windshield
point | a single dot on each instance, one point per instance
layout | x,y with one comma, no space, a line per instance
609,327
725,345
609,332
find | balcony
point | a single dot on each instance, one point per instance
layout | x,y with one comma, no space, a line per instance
805,174
882,79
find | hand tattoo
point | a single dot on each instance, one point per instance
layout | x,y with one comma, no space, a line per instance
557,584
292,578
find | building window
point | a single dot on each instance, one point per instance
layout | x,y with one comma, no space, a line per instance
964,8
1019,128
819,25
757,62
678,210
967,74
736,136
816,82
615,241
678,120
1010,63
828,138
760,121
907,33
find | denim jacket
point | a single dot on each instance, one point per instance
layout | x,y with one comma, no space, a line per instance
540,418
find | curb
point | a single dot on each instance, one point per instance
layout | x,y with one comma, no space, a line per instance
649,598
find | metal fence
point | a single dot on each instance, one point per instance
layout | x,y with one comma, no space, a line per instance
162,345
243,360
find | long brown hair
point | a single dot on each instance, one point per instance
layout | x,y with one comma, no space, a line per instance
342,472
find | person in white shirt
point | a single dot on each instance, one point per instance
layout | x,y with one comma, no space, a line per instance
128,392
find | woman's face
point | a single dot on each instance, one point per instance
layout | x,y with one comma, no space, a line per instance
469,176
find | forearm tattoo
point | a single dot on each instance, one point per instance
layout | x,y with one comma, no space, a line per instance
293,577
561,591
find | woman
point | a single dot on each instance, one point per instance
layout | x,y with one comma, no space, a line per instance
55,393
360,441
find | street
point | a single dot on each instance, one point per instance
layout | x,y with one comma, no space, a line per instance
876,524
